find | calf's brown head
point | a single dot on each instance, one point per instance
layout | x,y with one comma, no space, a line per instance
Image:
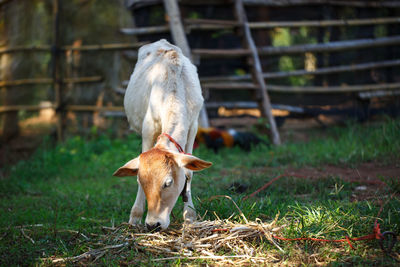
161,173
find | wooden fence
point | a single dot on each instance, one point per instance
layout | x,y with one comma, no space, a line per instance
230,84
193,26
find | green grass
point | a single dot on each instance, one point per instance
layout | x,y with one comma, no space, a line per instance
70,187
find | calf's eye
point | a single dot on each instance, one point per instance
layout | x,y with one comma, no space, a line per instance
167,183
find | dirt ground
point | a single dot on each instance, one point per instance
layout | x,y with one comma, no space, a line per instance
369,175
31,135
368,171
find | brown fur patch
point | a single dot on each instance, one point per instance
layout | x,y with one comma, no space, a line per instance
173,57
160,51
155,164
171,54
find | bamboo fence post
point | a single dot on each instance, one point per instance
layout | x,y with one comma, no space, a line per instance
179,37
175,23
257,71
56,68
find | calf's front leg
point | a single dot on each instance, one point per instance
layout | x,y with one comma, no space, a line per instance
138,208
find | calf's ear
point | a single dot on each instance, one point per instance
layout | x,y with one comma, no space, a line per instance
131,168
191,162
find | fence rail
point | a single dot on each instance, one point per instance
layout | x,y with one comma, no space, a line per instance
303,89
49,81
300,49
319,71
77,108
49,48
214,24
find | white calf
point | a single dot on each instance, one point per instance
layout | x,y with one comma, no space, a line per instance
162,103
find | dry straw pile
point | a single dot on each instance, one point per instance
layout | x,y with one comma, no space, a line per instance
221,241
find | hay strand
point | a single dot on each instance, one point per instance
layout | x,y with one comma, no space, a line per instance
222,241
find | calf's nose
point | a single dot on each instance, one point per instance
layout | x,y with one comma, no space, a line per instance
153,227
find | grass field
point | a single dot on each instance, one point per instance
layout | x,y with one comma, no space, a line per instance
56,203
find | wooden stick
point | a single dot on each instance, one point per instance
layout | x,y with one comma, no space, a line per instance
366,95
251,105
257,71
333,89
104,47
334,69
93,108
90,254
54,106
209,24
322,2
323,23
83,79
213,24
24,107
49,81
299,49
229,121
327,70
26,236
145,30
285,3
26,82
232,85
97,47
24,48
308,89
208,27
330,47
233,105
229,53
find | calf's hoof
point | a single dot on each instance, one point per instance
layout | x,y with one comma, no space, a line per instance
135,220
189,215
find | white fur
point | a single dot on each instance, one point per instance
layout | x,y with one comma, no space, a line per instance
163,96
